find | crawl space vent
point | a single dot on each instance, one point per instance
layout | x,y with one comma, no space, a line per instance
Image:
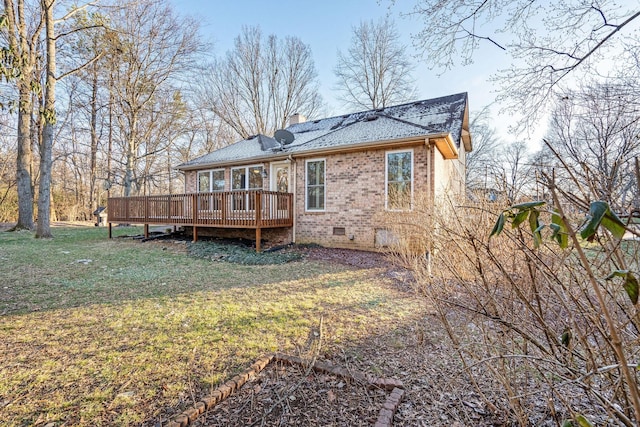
339,231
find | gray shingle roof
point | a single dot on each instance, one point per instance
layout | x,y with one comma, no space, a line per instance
423,118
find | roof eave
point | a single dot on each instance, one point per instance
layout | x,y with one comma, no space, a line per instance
445,145
465,134
390,143
248,160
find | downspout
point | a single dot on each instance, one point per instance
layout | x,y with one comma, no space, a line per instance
431,170
294,174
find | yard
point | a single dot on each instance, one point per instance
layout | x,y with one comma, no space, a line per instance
119,332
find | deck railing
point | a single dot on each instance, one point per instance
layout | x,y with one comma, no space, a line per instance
234,209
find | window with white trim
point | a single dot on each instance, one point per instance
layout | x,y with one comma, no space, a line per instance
212,180
399,180
204,182
315,184
246,178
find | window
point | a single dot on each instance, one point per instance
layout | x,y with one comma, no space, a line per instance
239,179
245,178
204,181
315,185
211,181
255,177
399,178
217,180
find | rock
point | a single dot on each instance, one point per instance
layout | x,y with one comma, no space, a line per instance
126,394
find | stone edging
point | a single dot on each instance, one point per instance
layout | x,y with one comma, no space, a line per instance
385,416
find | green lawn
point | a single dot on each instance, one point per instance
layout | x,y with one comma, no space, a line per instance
143,330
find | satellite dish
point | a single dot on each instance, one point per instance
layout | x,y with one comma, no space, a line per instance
284,137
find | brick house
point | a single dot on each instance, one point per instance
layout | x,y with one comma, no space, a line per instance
340,171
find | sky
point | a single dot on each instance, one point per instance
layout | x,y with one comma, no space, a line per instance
327,26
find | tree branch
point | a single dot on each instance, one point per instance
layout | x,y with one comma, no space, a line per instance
75,10
81,67
475,36
75,30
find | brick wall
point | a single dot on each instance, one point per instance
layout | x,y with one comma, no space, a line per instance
191,182
355,193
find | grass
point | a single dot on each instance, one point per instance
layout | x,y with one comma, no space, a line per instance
143,330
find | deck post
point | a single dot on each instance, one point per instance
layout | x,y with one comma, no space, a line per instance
110,235
258,206
194,214
224,207
194,208
290,209
146,231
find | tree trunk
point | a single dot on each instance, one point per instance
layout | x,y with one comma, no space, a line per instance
43,229
94,139
110,134
131,157
19,46
23,165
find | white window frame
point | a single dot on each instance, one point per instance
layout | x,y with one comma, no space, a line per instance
210,173
386,178
273,184
210,202
246,174
306,185
245,202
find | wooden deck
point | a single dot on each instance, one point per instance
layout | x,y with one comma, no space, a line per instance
234,209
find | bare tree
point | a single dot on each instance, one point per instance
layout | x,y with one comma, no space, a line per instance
514,172
375,72
19,64
595,130
48,103
495,169
30,63
49,119
205,131
480,161
89,45
261,82
546,41
152,48
8,194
